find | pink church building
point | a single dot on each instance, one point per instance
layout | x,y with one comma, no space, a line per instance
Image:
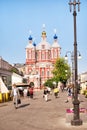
40,59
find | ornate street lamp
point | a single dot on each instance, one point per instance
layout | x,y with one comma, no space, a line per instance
72,67
76,117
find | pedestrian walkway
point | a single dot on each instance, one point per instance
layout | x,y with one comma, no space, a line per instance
36,114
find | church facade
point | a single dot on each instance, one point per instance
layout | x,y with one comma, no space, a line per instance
40,59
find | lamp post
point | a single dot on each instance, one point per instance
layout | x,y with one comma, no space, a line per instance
76,117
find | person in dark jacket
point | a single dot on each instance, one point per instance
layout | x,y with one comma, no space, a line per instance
31,92
45,94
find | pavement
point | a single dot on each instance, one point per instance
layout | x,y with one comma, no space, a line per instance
36,114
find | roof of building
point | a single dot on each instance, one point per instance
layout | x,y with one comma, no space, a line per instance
43,45
29,46
55,44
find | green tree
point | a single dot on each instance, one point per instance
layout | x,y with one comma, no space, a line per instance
61,71
49,83
15,70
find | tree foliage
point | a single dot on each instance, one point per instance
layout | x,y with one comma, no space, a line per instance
61,71
49,83
15,70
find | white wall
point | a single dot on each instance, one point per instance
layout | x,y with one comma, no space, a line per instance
83,80
3,88
16,78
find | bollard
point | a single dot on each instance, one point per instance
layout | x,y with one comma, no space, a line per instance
3,97
0,97
6,96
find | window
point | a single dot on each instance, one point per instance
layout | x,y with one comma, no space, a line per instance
43,46
29,55
43,72
43,56
47,73
55,54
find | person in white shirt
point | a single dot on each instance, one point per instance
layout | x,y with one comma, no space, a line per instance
16,95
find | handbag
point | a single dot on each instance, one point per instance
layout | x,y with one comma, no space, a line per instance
19,101
28,94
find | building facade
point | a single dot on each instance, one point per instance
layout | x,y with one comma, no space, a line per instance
5,72
83,80
40,59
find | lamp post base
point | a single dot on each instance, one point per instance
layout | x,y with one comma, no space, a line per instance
76,122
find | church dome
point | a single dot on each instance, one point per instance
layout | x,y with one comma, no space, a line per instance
43,44
43,33
30,37
55,43
34,44
55,37
30,44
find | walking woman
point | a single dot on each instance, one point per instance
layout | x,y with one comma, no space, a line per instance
16,96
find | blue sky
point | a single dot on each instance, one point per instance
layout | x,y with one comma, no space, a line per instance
17,17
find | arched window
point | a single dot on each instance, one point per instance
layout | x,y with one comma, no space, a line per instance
43,72
48,73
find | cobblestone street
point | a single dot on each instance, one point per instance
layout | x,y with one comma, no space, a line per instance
36,114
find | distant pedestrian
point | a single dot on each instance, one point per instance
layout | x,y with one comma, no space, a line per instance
69,95
56,91
28,91
16,96
49,90
31,92
45,94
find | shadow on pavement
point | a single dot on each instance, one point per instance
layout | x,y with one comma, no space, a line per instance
35,98
81,101
2,105
24,105
49,100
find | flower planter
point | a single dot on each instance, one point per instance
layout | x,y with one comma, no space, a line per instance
70,111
